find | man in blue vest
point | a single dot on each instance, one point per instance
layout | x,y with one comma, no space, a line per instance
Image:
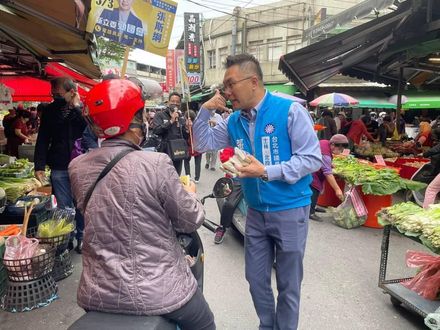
121,25
283,151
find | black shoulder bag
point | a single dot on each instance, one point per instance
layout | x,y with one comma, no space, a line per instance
178,148
104,172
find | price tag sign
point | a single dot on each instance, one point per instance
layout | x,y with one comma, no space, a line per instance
346,152
379,160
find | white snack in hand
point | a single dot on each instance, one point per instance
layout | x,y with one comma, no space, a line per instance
242,156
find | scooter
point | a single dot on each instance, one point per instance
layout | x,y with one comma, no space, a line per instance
193,247
239,213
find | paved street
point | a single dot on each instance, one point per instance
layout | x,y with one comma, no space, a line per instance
339,289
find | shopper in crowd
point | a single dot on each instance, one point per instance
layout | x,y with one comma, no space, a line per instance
386,129
169,125
373,125
331,147
283,152
61,125
21,133
8,122
34,121
193,154
211,155
340,120
329,123
358,130
132,260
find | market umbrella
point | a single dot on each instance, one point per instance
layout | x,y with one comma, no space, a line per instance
289,97
334,100
393,99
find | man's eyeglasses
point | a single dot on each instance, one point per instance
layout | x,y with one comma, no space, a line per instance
230,84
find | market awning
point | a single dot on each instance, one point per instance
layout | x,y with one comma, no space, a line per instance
428,102
283,88
31,89
34,33
375,104
375,51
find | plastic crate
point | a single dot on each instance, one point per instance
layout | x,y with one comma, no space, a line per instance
29,269
44,204
26,296
35,219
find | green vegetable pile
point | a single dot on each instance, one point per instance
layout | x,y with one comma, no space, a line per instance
412,220
374,181
54,228
19,169
17,187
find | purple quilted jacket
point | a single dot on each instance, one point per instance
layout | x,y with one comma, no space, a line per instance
132,262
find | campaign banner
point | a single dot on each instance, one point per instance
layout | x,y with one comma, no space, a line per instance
143,24
192,47
170,69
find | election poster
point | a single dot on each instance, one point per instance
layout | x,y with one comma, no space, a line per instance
143,24
192,47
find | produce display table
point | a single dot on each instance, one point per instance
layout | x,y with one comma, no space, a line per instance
328,197
400,294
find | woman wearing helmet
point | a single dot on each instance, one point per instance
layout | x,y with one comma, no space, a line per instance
132,261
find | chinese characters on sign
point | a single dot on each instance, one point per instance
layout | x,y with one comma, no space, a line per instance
134,23
192,47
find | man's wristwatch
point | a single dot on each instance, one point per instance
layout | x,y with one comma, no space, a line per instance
264,177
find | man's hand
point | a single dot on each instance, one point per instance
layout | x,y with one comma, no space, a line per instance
41,176
339,194
217,102
254,169
174,116
191,187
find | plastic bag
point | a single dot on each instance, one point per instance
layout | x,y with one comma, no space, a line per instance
60,222
427,282
19,247
351,213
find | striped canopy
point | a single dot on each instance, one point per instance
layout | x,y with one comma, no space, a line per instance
334,100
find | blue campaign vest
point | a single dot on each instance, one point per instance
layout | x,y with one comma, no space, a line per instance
271,147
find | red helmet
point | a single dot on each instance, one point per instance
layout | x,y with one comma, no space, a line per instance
111,105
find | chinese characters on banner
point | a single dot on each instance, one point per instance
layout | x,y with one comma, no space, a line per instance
192,47
174,56
134,23
171,69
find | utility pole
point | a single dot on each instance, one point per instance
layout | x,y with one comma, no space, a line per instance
235,14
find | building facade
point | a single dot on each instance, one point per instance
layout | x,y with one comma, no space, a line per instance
267,32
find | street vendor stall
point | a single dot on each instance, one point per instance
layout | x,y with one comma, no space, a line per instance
376,183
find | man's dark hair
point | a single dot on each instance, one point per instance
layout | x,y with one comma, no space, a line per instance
23,113
387,118
366,119
174,94
325,113
64,82
246,62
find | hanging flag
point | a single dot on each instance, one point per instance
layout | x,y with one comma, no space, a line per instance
139,24
192,47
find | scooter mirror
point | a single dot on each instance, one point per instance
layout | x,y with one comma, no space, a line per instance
222,188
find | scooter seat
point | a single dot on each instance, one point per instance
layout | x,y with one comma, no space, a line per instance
107,321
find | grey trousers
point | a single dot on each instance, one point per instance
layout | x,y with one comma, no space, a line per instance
211,158
279,236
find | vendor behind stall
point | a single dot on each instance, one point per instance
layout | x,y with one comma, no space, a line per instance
386,129
424,138
20,132
331,147
358,129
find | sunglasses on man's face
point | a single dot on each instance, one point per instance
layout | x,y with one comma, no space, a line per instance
341,145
